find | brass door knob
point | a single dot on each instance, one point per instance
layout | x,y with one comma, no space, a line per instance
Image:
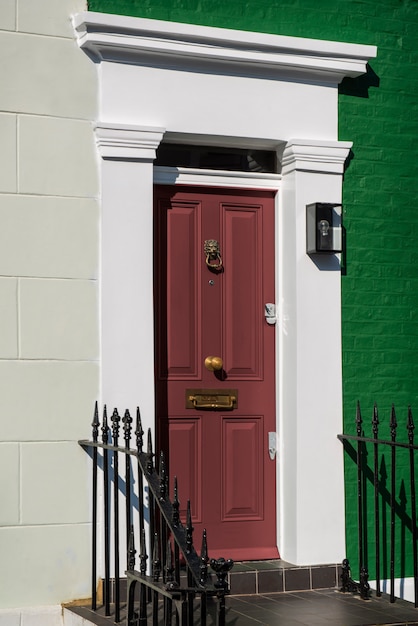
213,363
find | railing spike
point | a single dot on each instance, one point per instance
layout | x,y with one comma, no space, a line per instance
410,426
393,423
150,462
127,428
139,431
204,559
189,529
163,478
176,504
375,421
359,419
149,441
105,427
95,423
131,550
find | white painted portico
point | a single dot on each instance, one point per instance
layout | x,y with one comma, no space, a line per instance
162,81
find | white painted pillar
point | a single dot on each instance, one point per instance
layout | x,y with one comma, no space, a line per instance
127,341
311,480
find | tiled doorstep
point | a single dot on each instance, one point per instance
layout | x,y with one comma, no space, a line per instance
258,577
254,577
325,607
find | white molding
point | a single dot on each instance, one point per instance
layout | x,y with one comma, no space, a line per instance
215,178
213,86
315,156
123,141
108,37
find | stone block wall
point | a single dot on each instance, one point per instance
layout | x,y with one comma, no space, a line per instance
49,346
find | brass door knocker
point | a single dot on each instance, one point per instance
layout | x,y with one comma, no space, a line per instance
213,254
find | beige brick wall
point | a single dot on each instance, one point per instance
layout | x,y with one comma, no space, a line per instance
49,347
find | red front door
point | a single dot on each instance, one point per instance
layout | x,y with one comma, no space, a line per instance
213,306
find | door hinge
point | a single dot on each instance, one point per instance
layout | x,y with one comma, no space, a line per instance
272,445
270,313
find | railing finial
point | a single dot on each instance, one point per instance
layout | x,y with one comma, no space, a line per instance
176,504
127,428
189,529
115,419
364,584
393,423
204,559
163,478
221,567
410,426
359,420
150,462
105,427
375,421
95,423
138,431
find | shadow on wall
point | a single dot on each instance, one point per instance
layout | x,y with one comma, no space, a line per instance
359,86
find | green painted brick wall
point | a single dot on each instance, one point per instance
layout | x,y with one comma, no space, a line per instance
379,113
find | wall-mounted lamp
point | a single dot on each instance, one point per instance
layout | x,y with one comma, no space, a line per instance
323,228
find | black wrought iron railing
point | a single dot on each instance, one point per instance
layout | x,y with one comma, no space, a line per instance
385,532
172,582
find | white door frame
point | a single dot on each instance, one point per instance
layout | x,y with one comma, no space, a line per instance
197,85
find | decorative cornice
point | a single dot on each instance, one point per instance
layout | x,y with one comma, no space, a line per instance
315,156
124,142
115,37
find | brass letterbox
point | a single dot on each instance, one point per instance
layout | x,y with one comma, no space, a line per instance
225,399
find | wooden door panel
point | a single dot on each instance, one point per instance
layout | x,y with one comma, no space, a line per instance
243,323
181,320
242,493
185,441
220,457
